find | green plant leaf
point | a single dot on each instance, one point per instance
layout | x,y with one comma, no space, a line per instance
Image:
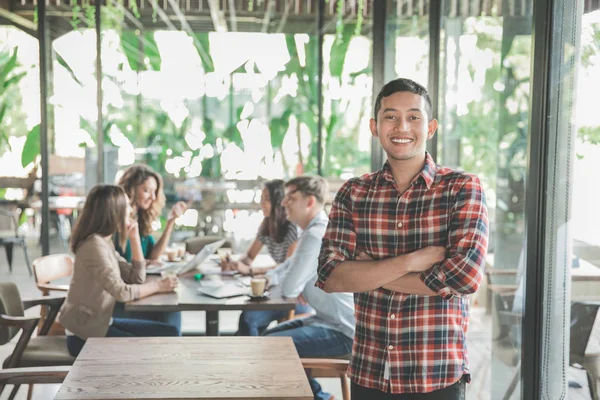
133,45
10,64
339,50
2,112
151,50
279,127
202,45
31,149
65,65
14,80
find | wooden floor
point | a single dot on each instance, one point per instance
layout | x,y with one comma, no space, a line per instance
482,386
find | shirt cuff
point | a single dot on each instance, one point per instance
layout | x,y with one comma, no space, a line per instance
435,280
325,272
273,277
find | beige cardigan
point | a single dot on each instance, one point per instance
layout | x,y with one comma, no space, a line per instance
100,278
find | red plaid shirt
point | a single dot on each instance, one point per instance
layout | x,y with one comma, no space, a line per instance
421,338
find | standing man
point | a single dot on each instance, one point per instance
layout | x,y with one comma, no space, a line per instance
409,240
329,332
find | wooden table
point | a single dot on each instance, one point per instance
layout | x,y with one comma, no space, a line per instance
187,299
186,368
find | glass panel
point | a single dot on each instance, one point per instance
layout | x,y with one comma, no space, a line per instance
218,101
585,265
483,111
19,136
407,43
347,92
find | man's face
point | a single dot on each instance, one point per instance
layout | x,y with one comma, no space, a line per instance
403,126
295,204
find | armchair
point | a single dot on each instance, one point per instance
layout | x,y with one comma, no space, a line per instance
40,351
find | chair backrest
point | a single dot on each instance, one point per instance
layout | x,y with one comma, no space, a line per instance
12,220
11,305
49,268
583,317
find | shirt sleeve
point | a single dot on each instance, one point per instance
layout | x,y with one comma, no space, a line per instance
339,242
132,272
302,265
96,256
277,274
461,272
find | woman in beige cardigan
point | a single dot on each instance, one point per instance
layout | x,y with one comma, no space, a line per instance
101,277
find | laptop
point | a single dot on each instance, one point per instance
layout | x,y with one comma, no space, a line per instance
183,267
224,291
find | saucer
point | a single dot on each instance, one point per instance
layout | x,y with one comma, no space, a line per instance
264,296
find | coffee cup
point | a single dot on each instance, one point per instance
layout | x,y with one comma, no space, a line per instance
180,250
171,253
258,286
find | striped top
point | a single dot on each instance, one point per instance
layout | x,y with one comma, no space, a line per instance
278,251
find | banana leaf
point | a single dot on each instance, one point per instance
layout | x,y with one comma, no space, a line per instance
31,149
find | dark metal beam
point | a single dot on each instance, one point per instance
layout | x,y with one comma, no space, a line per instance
379,29
435,28
99,125
44,48
320,36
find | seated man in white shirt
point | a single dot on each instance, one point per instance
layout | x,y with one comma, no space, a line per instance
330,331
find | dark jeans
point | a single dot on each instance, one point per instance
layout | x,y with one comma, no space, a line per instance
171,318
453,392
314,341
123,327
255,323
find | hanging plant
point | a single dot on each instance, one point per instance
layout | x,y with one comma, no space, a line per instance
359,17
89,12
339,25
75,10
134,9
154,13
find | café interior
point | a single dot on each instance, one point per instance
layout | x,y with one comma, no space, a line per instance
220,97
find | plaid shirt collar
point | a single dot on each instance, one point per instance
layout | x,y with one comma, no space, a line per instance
427,174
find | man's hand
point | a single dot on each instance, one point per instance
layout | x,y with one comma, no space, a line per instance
423,259
301,300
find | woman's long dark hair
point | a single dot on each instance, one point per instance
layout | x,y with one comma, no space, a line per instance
275,225
103,214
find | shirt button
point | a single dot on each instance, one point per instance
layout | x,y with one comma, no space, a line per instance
390,347
399,224
392,316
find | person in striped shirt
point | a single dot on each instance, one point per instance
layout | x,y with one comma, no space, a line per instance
409,241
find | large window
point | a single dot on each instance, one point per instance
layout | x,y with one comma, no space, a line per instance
484,111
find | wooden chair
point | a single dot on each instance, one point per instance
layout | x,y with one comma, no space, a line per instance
46,270
329,368
41,351
31,376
